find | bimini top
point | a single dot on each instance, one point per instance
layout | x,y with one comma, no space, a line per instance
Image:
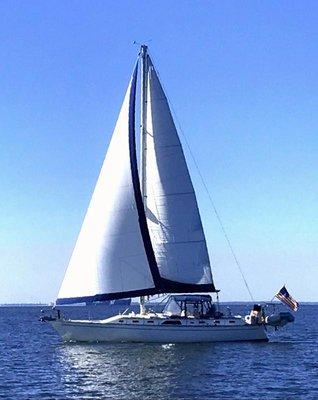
191,298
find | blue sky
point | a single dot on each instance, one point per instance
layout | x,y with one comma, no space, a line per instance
242,79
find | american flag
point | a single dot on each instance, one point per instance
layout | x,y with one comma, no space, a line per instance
286,298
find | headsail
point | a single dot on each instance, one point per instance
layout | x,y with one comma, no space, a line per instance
172,213
109,260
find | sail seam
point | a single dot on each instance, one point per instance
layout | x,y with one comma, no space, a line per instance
186,241
174,194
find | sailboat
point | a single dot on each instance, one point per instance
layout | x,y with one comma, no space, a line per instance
142,235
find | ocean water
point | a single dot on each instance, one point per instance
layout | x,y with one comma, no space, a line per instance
35,364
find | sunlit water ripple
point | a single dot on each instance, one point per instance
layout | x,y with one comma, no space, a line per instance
34,364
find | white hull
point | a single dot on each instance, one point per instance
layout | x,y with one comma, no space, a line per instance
112,331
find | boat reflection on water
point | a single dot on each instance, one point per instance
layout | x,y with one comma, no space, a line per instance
159,371
126,370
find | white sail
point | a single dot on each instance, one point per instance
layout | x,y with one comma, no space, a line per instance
172,213
109,259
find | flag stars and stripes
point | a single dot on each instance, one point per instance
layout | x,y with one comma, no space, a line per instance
287,299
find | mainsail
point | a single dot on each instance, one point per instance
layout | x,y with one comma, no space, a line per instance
134,245
172,213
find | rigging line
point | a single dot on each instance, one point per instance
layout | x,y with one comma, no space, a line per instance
209,196
216,213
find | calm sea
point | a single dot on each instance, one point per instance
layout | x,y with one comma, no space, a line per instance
34,364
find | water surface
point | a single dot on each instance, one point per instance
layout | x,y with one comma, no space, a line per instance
34,364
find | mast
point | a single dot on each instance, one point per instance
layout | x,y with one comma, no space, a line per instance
143,132
143,120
